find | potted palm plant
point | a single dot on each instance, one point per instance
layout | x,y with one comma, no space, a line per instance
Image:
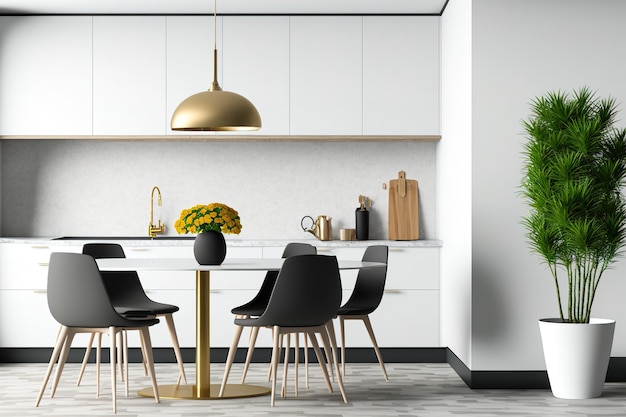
575,166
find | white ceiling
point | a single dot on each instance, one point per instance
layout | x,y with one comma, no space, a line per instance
223,6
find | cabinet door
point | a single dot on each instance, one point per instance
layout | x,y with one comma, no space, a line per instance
400,75
26,320
405,318
45,75
413,268
24,266
326,75
256,65
129,75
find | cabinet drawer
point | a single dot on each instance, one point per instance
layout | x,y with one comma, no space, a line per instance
24,266
413,268
405,318
26,320
222,321
408,268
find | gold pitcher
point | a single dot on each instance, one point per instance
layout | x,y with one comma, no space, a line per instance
320,228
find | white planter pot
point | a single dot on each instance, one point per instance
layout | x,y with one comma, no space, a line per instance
577,356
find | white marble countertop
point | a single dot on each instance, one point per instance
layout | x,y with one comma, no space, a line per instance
190,264
184,240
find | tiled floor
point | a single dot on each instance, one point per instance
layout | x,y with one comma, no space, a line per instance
413,390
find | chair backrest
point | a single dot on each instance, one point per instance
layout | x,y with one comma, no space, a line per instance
292,249
104,250
297,248
307,292
77,296
370,282
124,287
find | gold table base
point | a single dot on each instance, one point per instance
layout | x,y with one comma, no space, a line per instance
203,389
188,392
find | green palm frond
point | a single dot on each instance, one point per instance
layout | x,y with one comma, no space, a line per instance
575,166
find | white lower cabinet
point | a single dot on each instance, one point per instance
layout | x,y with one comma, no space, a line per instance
405,318
25,320
408,315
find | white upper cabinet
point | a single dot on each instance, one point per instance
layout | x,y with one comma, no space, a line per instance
400,75
326,75
256,65
45,75
129,75
190,44
307,75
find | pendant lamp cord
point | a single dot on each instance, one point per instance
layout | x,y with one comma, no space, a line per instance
215,86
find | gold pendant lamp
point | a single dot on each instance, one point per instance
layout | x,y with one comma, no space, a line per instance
215,109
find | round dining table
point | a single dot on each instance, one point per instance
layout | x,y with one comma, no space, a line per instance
203,389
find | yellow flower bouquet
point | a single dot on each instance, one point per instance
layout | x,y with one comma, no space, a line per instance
201,218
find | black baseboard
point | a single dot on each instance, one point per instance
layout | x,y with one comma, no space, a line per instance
497,379
521,379
473,379
166,355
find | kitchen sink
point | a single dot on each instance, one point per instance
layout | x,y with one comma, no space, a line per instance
124,238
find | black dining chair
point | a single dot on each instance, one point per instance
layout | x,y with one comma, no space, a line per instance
256,306
79,301
129,299
365,299
306,296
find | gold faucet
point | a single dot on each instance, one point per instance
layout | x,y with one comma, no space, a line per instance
159,228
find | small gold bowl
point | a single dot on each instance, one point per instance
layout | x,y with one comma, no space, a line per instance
347,234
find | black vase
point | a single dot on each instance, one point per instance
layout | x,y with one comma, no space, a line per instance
362,224
209,248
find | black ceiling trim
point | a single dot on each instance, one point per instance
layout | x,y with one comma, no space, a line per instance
219,14
443,9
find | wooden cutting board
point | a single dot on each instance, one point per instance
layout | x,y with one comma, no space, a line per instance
403,209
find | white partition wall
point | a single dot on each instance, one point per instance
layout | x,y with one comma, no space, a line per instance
454,180
518,50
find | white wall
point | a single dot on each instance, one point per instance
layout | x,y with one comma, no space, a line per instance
90,187
522,49
454,181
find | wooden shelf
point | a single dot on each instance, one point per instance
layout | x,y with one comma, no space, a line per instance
233,138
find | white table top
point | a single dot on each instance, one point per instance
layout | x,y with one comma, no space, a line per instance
190,264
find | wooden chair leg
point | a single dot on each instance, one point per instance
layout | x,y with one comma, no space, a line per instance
143,357
306,359
85,358
368,326
274,362
62,359
283,391
120,354
112,355
231,358
254,332
60,342
342,332
147,342
330,338
98,362
320,359
169,319
269,370
125,359
330,330
296,360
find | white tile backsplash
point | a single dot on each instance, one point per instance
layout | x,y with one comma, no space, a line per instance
92,187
